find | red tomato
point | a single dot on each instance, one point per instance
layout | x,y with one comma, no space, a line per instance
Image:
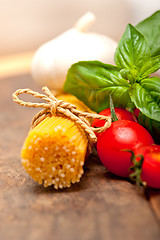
136,112
151,164
122,114
120,136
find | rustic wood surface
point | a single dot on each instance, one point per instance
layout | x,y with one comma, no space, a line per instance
101,206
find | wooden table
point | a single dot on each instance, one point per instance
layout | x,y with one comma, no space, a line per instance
101,206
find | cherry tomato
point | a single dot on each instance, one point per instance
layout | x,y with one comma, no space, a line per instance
122,114
151,164
136,112
122,135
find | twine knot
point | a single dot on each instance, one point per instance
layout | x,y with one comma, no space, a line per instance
55,106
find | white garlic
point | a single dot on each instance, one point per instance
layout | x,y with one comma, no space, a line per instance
52,60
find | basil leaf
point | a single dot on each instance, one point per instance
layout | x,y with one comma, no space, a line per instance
152,85
151,66
146,95
92,81
129,74
132,50
150,28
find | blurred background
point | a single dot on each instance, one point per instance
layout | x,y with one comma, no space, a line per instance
26,24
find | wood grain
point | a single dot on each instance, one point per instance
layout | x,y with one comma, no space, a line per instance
101,206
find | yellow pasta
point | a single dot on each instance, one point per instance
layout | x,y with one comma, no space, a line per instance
72,99
54,151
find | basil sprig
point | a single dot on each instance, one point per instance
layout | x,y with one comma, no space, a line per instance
129,82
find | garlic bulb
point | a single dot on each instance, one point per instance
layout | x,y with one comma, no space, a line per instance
52,60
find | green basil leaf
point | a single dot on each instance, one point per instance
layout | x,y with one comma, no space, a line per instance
92,81
152,85
129,74
146,97
150,28
151,66
132,50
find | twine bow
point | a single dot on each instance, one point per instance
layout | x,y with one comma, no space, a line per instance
55,106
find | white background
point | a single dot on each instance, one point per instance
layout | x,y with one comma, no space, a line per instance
26,24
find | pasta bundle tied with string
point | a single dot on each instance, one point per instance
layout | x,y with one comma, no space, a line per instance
60,136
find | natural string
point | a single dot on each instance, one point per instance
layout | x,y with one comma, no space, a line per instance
55,106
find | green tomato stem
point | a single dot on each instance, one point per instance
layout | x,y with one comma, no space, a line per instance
113,113
137,170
